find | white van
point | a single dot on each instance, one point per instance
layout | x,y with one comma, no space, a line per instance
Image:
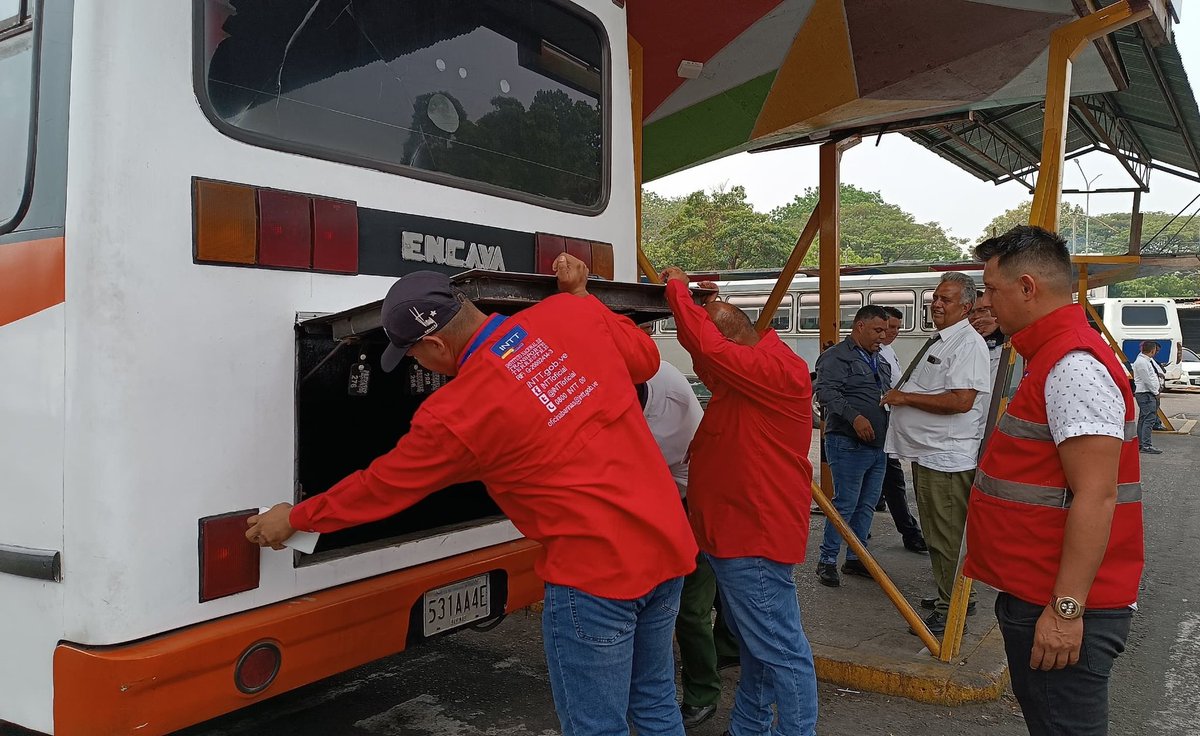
1132,321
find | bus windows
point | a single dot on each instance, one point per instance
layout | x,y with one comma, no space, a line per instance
16,82
752,306
850,305
810,307
503,97
926,315
1144,315
905,301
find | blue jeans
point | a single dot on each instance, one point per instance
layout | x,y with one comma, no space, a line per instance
777,663
858,471
611,661
1147,404
1072,701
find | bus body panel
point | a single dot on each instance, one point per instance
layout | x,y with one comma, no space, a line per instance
31,456
162,391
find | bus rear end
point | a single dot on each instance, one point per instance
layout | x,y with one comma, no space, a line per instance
237,171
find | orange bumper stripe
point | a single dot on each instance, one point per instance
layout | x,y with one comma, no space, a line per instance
33,275
184,677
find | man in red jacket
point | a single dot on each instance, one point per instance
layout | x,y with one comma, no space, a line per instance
1055,515
749,490
543,410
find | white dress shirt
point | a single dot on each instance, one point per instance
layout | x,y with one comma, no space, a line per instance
888,353
673,413
945,442
1145,375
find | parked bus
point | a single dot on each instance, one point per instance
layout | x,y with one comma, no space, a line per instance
1133,321
184,187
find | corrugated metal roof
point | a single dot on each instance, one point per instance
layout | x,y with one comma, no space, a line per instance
1156,121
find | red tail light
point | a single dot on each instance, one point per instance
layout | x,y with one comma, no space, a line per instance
597,256
582,250
228,561
257,667
284,230
547,249
335,236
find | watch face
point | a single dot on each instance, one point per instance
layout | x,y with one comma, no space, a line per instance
1068,608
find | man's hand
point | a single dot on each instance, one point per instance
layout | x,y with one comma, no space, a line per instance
675,273
862,426
272,527
572,275
894,398
709,298
1056,642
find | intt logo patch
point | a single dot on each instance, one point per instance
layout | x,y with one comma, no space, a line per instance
508,344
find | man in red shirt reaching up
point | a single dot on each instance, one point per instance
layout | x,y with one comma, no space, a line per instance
543,410
749,490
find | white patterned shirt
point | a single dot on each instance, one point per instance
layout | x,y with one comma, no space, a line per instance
1082,399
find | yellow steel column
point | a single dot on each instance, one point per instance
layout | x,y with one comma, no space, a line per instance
1065,44
635,92
829,309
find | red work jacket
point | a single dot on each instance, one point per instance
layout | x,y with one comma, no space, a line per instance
544,412
749,480
1020,500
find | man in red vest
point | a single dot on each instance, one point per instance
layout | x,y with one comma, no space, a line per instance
1055,515
749,489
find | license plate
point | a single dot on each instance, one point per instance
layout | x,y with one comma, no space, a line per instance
454,605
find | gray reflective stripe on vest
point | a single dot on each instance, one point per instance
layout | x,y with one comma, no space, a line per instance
1059,498
1024,429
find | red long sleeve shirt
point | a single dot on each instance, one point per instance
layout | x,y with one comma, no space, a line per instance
749,481
544,412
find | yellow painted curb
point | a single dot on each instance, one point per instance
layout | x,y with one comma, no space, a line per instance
980,676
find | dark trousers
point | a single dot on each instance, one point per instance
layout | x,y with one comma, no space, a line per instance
1072,701
1147,404
700,640
896,496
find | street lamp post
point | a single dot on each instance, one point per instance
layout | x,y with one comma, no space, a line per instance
1087,208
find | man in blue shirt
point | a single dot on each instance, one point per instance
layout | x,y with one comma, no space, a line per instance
851,380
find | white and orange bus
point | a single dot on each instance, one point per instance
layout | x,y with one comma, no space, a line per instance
184,187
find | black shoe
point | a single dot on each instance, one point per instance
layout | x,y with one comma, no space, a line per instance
1151,451
695,715
916,544
881,506
725,662
856,567
828,575
936,623
931,603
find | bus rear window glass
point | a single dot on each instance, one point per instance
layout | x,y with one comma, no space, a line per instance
752,306
499,93
1144,315
16,76
905,301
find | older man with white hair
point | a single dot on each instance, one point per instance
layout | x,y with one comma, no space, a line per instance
939,407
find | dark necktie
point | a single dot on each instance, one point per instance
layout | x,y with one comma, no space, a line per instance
917,360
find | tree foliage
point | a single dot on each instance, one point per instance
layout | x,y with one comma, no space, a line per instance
720,230
1108,234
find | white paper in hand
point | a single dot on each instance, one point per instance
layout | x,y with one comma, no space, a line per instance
304,542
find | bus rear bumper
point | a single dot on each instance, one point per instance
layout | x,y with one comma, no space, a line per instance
165,683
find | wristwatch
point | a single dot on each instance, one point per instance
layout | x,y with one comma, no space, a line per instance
1066,607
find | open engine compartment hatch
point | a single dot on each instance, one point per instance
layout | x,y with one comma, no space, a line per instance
506,293
348,411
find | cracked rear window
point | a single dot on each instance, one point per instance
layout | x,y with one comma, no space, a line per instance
503,93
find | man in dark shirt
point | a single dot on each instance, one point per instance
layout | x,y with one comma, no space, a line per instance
851,379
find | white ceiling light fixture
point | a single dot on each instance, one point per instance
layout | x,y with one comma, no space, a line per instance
690,69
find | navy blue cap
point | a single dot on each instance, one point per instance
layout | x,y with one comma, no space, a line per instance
417,305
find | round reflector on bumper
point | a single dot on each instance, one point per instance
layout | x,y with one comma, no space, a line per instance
257,667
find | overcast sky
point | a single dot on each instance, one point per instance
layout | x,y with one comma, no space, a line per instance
929,187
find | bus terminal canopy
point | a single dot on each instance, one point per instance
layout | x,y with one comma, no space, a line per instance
964,78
